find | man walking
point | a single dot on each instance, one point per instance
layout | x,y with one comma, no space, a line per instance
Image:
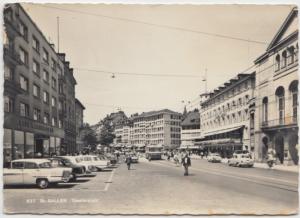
186,162
128,161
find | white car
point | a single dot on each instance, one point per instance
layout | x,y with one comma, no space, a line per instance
214,158
89,168
241,160
95,161
35,171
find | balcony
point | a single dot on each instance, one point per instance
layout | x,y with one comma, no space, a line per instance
12,55
279,123
13,87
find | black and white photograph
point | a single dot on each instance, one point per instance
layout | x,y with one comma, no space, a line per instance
163,109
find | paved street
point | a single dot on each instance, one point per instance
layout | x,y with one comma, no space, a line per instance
159,187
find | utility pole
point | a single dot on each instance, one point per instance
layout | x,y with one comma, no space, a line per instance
57,19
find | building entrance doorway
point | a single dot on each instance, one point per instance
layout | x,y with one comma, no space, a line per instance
38,147
293,142
279,148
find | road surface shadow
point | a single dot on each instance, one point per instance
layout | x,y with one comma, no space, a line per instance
51,186
81,180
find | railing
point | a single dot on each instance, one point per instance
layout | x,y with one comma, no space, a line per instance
279,122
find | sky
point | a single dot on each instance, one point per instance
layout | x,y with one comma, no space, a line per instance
117,38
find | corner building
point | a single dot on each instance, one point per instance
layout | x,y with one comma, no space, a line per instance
157,128
276,120
34,110
225,119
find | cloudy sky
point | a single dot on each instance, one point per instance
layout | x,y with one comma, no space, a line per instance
121,39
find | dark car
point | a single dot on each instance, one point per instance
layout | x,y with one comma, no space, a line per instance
77,171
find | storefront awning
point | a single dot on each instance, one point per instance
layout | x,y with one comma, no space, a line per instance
222,131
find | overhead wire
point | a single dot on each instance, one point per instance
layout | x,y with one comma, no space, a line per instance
155,25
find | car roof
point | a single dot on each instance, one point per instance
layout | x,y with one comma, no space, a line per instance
38,161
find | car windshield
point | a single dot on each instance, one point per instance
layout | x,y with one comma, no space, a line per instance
45,165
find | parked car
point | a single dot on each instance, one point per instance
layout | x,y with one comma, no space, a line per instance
77,170
112,158
76,160
95,161
35,171
214,158
241,160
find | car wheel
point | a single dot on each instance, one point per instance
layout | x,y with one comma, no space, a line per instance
42,183
74,178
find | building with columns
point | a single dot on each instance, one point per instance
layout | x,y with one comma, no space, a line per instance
276,95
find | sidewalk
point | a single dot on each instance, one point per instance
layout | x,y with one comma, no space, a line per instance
293,168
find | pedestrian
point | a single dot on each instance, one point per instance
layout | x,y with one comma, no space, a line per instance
128,161
186,162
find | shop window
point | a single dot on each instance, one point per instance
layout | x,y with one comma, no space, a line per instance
29,145
7,146
18,148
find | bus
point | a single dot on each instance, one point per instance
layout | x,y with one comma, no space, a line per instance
154,152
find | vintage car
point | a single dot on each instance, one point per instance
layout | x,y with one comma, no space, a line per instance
95,161
134,158
77,170
241,160
77,160
35,171
112,158
214,158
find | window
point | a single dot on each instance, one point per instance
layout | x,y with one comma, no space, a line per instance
46,118
265,109
36,67
36,114
54,120
53,64
46,76
17,165
8,73
291,55
35,44
54,84
23,31
45,56
60,125
294,92
8,104
281,106
284,59
60,104
24,83
46,97
36,91
53,101
23,56
277,62
24,110
30,165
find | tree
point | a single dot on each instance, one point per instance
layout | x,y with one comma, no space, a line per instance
89,136
106,135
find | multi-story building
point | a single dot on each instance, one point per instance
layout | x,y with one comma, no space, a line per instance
157,127
190,130
126,135
33,125
276,102
224,116
122,133
79,108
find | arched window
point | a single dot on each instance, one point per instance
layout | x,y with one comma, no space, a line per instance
291,55
265,110
284,59
294,92
277,62
281,106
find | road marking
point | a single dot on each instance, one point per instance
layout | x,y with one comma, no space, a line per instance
236,177
249,176
109,181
